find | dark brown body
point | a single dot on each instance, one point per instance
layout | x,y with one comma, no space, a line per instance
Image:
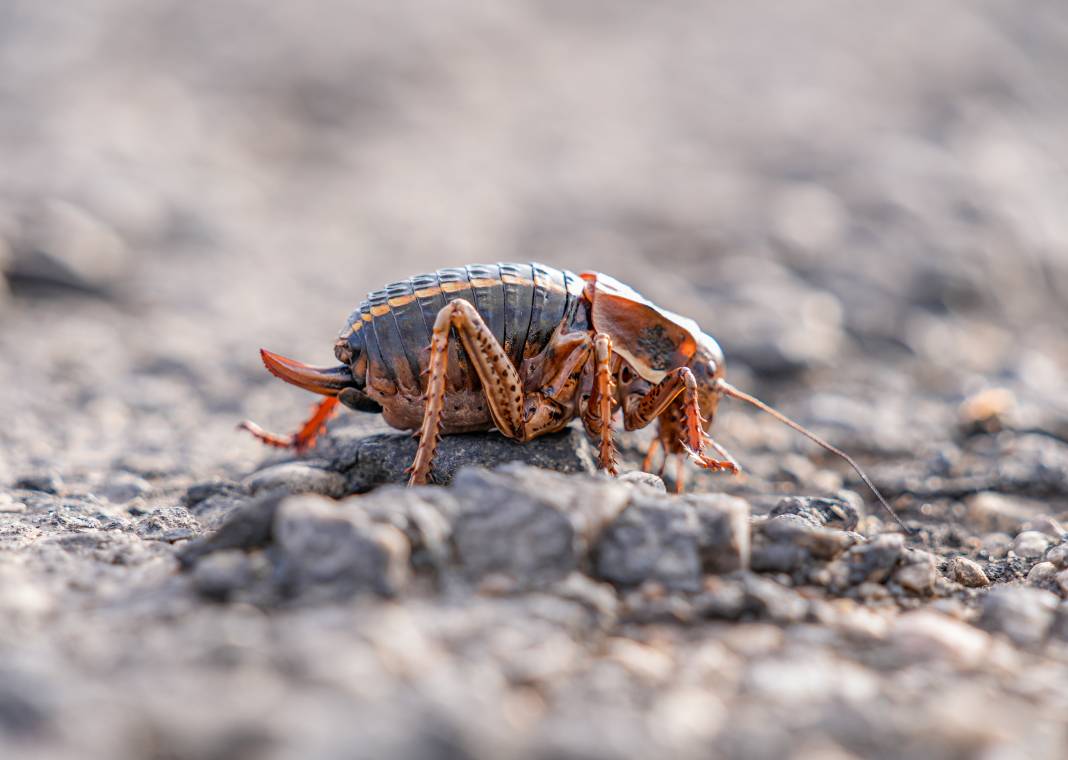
387,338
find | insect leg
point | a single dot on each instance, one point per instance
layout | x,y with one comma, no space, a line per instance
598,419
304,438
639,411
500,380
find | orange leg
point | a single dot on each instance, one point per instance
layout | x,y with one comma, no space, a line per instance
650,455
500,381
642,410
303,439
599,411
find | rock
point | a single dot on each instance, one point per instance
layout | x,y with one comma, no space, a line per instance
422,514
250,526
917,573
790,543
968,573
764,598
45,482
930,635
59,244
198,493
1058,555
1030,544
821,512
369,461
168,524
124,487
990,511
1061,581
297,477
1059,629
654,539
875,560
648,479
222,574
1023,614
9,505
723,524
1041,573
529,527
329,552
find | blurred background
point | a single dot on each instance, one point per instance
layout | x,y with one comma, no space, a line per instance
864,202
849,190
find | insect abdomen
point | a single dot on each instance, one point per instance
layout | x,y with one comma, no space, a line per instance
522,304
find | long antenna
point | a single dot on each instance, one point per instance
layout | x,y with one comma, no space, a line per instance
729,390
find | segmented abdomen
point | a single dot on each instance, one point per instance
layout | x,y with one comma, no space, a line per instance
522,304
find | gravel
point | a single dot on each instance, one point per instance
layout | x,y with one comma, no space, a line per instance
870,224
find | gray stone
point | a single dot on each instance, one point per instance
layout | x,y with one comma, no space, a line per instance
1023,614
526,527
59,244
369,461
1030,544
327,551
767,599
648,479
968,573
45,481
422,514
9,505
1041,573
724,537
917,573
168,524
297,477
821,512
790,542
875,560
1058,555
249,526
655,539
220,575
124,487
991,512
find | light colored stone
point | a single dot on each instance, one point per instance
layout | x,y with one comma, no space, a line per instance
1030,544
990,511
926,634
1041,572
968,573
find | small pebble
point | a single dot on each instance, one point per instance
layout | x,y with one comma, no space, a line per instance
1041,572
917,577
968,573
45,482
9,505
1023,614
1058,555
1030,544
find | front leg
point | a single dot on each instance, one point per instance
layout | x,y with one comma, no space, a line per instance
641,409
500,380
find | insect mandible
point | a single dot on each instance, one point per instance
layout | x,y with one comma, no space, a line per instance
525,349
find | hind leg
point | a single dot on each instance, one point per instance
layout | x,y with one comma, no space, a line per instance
304,438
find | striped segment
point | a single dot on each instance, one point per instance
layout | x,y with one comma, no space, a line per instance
522,304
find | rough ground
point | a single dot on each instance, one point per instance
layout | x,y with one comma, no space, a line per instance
865,205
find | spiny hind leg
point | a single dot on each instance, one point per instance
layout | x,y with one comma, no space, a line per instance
500,380
304,438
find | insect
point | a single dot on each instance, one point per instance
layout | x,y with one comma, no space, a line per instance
525,349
